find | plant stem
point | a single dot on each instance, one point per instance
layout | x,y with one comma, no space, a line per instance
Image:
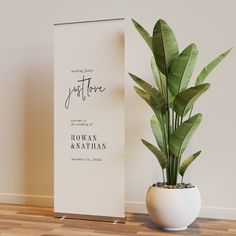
174,125
165,145
176,121
177,169
172,118
162,89
181,119
168,117
191,112
163,175
172,170
168,123
171,157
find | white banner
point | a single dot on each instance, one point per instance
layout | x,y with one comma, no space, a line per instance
89,119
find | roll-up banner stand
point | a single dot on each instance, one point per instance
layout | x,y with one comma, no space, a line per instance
89,120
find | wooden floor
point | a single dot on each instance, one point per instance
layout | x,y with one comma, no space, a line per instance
27,221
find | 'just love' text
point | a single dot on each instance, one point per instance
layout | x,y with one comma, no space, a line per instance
82,90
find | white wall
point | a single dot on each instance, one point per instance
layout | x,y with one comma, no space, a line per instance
26,96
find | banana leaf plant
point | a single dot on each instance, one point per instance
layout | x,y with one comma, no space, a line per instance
172,99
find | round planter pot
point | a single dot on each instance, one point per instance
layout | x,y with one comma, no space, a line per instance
173,209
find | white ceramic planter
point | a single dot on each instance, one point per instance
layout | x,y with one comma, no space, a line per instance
173,209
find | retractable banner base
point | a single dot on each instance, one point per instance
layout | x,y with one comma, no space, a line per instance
92,217
89,120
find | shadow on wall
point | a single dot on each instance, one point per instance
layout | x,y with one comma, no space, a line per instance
39,127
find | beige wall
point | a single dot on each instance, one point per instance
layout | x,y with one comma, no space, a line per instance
26,92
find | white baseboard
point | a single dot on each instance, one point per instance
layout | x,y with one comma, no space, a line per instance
218,213
34,200
134,207
205,212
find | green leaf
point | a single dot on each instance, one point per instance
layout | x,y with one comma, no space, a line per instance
186,163
158,76
205,71
149,100
181,136
182,69
143,33
158,153
156,96
164,45
159,100
143,84
155,73
184,101
144,95
157,131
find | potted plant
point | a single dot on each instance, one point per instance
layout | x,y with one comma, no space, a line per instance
172,204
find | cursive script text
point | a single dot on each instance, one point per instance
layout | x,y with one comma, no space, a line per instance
82,89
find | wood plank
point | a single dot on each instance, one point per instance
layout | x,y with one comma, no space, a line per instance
37,221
